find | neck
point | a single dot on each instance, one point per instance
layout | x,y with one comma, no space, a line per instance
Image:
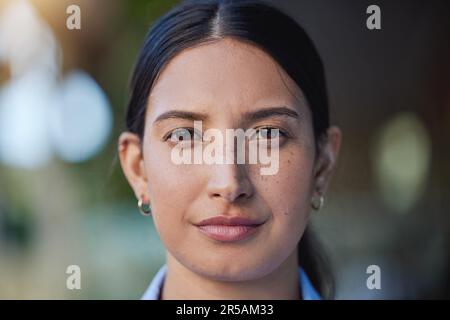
183,284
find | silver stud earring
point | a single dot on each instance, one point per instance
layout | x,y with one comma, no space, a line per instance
317,202
144,208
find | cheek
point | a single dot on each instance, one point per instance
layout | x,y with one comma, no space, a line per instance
288,192
171,189
295,177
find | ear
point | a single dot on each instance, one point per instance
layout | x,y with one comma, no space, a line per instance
328,151
132,162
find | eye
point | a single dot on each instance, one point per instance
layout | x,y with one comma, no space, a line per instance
268,133
183,134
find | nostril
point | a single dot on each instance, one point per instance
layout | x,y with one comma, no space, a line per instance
230,187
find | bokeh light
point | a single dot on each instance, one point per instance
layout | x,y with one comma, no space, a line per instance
80,118
43,112
401,160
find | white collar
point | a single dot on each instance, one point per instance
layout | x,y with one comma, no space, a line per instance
154,289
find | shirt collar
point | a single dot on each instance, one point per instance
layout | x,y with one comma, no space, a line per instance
154,289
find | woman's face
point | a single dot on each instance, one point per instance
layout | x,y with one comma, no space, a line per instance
225,83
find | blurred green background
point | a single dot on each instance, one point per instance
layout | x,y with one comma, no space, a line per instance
65,201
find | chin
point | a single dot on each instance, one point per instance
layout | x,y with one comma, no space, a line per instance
232,270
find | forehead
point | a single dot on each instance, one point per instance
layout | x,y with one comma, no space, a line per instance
227,74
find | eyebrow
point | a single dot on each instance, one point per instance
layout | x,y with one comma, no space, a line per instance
178,114
252,115
271,112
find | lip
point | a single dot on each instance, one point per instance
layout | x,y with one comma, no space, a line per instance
228,229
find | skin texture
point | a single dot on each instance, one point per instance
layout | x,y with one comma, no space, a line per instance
226,80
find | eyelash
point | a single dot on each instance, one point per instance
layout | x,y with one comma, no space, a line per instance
191,131
282,133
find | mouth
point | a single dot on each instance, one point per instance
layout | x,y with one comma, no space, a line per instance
229,229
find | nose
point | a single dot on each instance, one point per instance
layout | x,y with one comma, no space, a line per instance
229,182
